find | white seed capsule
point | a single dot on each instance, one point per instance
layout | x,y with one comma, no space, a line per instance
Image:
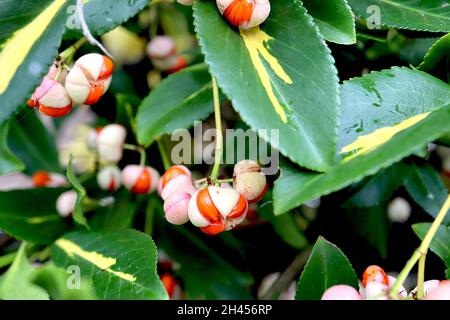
109,178
376,291
65,204
399,210
110,142
249,180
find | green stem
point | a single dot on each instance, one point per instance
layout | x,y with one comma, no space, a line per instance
422,250
163,153
149,217
158,1
139,149
58,73
82,179
219,137
7,259
68,54
224,180
421,276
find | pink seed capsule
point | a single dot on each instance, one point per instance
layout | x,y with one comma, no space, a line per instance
341,292
442,292
65,204
161,47
176,207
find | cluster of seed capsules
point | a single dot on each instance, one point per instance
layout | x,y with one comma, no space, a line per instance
213,208
86,82
376,285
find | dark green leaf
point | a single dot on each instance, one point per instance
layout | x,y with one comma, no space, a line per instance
31,215
381,123
103,15
378,189
121,264
176,103
327,266
440,51
30,35
120,215
279,76
430,15
29,140
334,19
372,224
8,161
427,189
285,226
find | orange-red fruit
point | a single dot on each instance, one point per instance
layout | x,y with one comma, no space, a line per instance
41,179
48,179
376,274
169,283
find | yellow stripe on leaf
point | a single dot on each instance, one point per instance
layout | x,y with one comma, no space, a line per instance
256,42
39,220
97,259
380,136
17,47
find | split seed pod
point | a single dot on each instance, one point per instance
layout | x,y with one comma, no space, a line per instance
89,78
215,209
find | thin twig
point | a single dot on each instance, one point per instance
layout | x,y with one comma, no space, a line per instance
86,32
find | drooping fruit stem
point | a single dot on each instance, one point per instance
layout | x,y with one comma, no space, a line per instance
139,149
219,136
68,54
66,57
163,153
